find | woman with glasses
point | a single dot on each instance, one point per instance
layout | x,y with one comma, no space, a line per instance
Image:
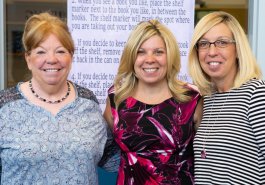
229,145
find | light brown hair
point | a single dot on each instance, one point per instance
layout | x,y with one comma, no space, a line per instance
39,26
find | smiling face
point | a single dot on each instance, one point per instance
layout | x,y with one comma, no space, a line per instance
151,62
50,62
219,63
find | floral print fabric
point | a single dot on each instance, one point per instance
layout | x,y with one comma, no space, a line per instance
38,148
155,141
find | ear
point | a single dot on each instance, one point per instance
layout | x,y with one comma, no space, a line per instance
27,58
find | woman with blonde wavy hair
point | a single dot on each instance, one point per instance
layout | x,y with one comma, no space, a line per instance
152,113
229,144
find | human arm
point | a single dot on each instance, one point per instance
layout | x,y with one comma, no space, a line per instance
198,114
256,114
111,157
107,114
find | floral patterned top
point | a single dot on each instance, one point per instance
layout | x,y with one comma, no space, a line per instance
155,141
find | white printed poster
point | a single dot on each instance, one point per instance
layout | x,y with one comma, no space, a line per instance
100,29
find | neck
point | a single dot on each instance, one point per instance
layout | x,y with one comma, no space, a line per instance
49,90
48,96
223,85
224,88
152,94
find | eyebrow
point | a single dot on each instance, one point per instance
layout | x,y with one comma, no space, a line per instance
218,38
58,47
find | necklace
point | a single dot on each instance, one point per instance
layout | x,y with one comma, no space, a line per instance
207,131
49,101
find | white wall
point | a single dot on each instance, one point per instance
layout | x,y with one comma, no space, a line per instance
256,30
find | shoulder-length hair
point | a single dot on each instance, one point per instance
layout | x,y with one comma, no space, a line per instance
126,80
247,65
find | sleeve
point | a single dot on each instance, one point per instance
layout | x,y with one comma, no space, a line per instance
1,125
257,116
110,160
111,157
6,96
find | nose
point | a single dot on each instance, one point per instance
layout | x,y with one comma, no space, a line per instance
212,49
150,58
51,58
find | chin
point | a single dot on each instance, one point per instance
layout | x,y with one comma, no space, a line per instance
53,82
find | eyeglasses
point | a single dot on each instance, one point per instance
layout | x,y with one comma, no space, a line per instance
221,43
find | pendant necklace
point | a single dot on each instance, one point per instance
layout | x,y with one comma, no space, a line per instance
49,101
209,130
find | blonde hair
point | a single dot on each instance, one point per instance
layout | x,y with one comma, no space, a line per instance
39,26
247,65
126,80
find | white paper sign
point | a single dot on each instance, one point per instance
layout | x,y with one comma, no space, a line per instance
100,29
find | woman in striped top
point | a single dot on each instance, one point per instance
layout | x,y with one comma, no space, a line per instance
229,145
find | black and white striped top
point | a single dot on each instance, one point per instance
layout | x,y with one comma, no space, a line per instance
233,135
